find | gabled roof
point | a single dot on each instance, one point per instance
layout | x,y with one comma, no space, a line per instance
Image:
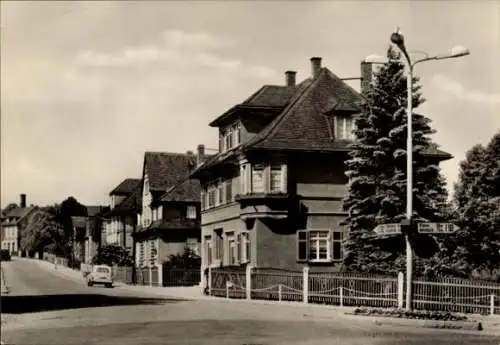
186,191
166,169
18,214
128,205
126,187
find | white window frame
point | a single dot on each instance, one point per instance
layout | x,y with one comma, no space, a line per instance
244,245
208,250
279,170
306,239
220,197
191,212
231,249
262,170
344,134
315,237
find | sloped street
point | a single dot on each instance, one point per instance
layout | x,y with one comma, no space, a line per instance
47,308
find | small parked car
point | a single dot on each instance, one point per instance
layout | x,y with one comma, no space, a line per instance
101,274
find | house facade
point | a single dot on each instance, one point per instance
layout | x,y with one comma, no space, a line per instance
94,226
86,233
121,219
13,224
272,196
169,219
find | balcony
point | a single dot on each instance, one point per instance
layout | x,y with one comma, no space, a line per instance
267,205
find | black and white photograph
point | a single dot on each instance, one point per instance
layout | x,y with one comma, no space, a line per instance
278,172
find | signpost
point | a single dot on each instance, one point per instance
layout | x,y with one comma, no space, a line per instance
436,228
388,229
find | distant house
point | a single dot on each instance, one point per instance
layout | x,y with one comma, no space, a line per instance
86,233
13,224
94,226
122,219
169,219
272,196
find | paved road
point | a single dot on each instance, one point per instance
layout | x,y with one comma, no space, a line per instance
45,308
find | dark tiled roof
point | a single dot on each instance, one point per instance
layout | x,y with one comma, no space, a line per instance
187,190
18,213
173,224
269,100
271,96
167,169
129,205
126,187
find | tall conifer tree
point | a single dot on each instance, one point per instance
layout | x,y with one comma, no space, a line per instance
377,176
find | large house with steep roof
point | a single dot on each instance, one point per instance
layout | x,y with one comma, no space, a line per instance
272,196
13,224
169,220
121,219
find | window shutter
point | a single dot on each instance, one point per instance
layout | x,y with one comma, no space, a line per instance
302,245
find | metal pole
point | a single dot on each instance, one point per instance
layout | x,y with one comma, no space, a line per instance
409,185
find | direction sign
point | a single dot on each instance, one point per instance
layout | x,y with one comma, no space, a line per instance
437,228
388,229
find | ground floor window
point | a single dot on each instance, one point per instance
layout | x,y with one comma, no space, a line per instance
319,245
231,249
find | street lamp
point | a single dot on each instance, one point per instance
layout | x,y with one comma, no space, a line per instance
397,39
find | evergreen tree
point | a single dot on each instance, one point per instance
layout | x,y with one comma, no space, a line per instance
377,176
474,250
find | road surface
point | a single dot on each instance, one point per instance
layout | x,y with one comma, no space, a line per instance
45,308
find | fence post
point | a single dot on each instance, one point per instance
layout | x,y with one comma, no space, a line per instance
305,284
210,280
400,290
150,275
492,304
228,285
341,296
279,292
160,275
248,280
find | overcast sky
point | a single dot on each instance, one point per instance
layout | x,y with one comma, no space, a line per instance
87,88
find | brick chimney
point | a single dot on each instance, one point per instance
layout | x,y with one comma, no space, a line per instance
22,203
315,66
366,76
200,154
290,78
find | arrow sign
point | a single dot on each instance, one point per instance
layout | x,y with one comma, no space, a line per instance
388,229
437,228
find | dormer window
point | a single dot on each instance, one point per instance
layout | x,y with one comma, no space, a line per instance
230,137
344,127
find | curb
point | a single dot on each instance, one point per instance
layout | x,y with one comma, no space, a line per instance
470,325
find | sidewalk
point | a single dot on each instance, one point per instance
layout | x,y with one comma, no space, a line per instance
491,324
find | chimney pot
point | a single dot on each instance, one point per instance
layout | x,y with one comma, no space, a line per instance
366,76
315,66
290,78
23,201
200,157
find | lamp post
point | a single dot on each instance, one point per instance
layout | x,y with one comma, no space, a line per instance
397,39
